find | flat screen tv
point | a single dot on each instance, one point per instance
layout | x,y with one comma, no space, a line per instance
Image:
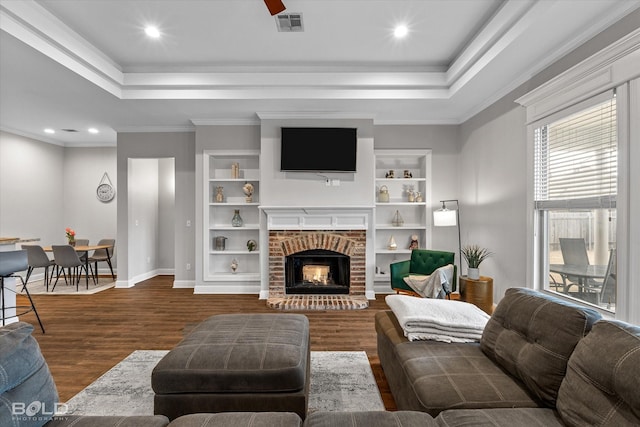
306,149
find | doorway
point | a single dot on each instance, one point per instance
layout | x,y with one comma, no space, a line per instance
151,224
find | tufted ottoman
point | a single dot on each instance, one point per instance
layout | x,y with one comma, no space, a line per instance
237,363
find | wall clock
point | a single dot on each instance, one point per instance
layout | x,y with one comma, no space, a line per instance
105,191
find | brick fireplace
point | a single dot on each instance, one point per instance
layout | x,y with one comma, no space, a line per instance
284,243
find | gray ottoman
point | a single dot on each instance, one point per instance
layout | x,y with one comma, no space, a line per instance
237,363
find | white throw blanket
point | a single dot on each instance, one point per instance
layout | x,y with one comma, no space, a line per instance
436,285
438,319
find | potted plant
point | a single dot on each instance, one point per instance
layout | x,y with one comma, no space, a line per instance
474,255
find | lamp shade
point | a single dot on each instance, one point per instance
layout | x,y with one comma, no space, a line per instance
444,218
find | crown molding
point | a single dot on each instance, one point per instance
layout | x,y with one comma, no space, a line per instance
617,63
156,129
226,122
319,115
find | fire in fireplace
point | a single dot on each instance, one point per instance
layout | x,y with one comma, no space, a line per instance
317,271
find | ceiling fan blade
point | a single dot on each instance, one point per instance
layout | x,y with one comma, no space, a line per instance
274,6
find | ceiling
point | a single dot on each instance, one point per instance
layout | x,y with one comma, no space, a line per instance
75,64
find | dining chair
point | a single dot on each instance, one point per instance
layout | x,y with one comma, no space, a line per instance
67,257
38,258
610,280
574,252
10,263
103,255
83,242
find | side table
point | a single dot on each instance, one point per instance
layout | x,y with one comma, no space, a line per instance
478,292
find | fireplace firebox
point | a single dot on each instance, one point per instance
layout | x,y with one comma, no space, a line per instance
317,271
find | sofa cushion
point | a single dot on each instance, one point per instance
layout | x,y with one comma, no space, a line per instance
532,335
432,376
239,419
369,419
108,421
602,385
28,394
521,417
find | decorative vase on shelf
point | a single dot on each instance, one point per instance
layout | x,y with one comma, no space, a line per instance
72,242
473,273
236,221
392,245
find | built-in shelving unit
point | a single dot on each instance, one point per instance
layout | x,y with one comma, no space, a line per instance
415,220
219,172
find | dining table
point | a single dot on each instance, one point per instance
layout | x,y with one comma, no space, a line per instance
84,249
582,272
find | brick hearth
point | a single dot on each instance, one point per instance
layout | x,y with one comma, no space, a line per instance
283,243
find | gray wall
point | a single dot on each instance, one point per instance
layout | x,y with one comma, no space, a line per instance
492,169
45,188
181,147
32,189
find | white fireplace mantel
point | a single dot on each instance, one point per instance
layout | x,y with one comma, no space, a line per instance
317,217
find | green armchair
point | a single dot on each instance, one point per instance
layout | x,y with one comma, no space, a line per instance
422,261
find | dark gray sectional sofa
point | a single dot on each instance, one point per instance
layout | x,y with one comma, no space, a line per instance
541,362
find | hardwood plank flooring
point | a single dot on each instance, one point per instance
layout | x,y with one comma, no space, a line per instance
86,335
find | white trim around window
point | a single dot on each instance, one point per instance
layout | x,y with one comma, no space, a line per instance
615,67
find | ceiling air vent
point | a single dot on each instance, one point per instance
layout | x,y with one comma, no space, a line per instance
289,22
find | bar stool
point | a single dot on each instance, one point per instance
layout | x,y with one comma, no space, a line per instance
10,263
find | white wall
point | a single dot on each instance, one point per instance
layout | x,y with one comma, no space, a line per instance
143,214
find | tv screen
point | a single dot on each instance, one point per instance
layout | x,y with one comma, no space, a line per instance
318,149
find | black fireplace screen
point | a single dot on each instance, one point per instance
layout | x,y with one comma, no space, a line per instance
317,271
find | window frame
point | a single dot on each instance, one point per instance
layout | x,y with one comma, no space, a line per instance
615,67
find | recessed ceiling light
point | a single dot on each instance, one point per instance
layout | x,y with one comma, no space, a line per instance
400,31
93,130
152,32
49,131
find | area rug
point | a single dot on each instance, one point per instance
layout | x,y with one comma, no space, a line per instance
38,288
340,381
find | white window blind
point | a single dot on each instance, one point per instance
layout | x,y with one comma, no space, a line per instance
576,158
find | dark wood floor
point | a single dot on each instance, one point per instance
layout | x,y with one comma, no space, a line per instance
86,335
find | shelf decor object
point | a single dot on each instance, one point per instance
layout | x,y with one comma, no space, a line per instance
444,217
236,221
383,194
247,188
219,194
397,220
392,245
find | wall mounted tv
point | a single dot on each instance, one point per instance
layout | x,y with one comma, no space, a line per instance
306,149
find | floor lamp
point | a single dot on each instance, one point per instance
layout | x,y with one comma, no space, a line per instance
444,217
